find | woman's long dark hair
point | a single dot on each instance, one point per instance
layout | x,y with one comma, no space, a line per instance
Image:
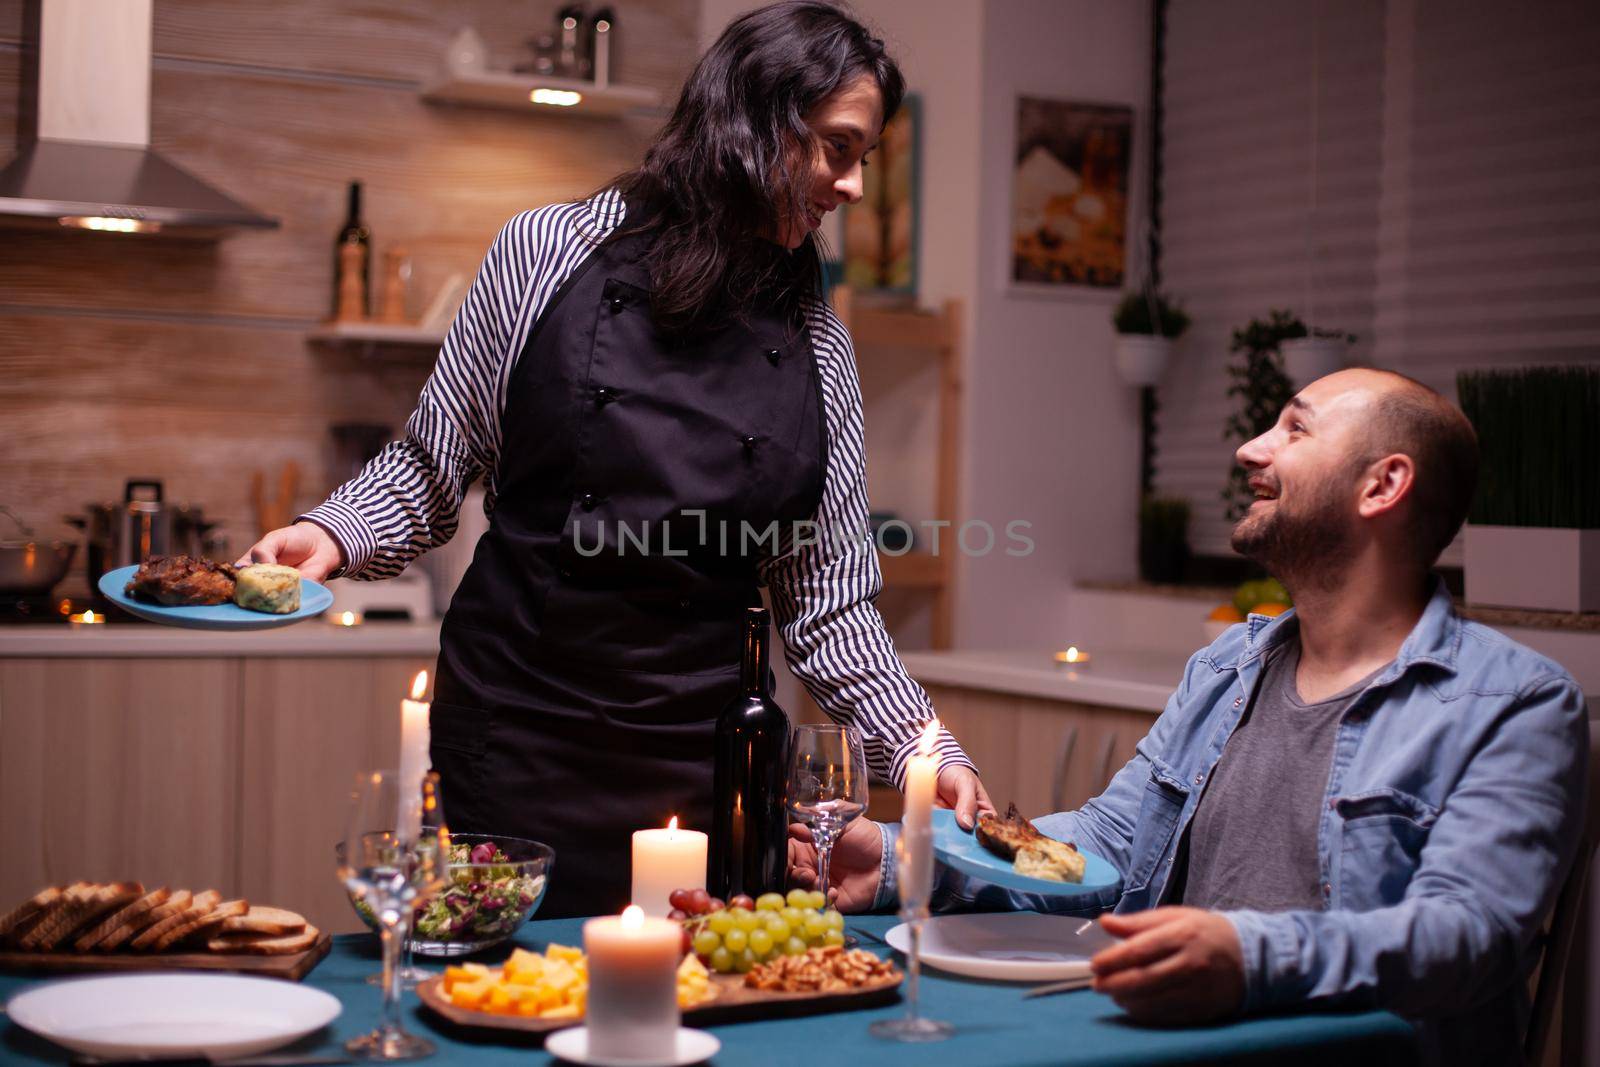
734,163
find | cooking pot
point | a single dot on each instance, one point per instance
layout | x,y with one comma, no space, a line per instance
144,524
32,568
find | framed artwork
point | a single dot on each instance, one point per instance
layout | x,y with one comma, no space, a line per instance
1069,195
881,233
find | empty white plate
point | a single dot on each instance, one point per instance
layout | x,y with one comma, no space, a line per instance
215,1015
1012,946
689,1047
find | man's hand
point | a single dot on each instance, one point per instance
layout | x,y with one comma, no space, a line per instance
1177,965
853,869
960,789
305,545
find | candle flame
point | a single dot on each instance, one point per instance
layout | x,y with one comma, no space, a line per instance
419,685
632,917
347,619
930,735
672,825
1072,653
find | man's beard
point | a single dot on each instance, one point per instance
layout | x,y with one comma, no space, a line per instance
1308,544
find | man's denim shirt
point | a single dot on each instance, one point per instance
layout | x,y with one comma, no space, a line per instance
1453,810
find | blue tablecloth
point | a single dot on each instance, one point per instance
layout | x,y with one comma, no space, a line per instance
994,1025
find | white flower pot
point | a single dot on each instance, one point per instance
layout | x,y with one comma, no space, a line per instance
1142,357
1305,359
1533,567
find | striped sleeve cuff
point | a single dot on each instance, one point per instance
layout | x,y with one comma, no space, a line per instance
349,530
947,747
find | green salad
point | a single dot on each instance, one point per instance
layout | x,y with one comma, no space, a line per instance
485,900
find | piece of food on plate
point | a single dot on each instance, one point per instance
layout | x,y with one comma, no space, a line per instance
269,587
1031,853
264,944
182,581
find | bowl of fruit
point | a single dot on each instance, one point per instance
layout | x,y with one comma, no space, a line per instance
494,884
1265,596
732,937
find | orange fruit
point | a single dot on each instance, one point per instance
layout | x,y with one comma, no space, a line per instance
1225,613
1270,607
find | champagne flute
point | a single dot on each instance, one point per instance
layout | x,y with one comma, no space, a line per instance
916,893
395,853
827,786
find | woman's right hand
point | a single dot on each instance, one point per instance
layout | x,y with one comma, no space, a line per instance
304,546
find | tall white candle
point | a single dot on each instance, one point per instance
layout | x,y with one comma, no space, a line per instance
413,758
664,860
633,984
916,835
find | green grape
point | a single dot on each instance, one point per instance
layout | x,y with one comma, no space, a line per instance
705,943
816,899
720,922
746,920
761,944
833,937
798,898
744,961
736,940
779,929
815,927
792,916
722,960
794,947
834,920
769,902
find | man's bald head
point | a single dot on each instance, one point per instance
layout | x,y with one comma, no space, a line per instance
1410,418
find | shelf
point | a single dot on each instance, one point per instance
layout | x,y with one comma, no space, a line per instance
914,570
514,92
897,328
376,333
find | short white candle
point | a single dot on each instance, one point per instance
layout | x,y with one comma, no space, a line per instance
633,985
664,860
916,836
413,758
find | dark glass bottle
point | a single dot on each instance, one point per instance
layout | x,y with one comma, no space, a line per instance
355,232
749,846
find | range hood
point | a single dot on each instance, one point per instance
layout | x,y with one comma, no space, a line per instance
84,157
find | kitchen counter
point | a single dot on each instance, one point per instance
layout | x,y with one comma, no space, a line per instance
314,637
1138,681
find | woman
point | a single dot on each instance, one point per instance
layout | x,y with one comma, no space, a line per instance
657,394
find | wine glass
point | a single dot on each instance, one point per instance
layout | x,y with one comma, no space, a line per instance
395,854
827,786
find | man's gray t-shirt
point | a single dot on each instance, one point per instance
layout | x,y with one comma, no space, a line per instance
1253,840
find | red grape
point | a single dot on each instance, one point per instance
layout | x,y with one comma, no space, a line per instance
679,899
686,943
699,902
677,915
716,905
742,901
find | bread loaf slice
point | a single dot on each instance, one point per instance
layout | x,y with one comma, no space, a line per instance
178,902
131,912
202,905
201,925
20,919
93,904
262,945
276,922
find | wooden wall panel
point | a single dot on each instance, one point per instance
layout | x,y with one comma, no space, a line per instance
128,356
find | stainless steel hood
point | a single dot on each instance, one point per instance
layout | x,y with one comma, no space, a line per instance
85,161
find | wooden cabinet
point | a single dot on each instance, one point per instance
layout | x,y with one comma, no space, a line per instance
206,773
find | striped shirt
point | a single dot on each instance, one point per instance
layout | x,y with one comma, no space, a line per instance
407,499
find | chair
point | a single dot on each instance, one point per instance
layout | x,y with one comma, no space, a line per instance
1564,921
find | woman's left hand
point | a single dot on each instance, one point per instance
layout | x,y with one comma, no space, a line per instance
959,788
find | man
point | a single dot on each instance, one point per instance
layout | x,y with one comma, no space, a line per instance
1366,801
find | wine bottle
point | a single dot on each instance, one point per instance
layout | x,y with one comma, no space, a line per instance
749,842
355,232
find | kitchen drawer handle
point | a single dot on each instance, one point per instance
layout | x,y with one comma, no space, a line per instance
1058,784
1106,769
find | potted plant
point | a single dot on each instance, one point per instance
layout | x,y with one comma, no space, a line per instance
1314,354
1163,539
1147,323
1533,532
1258,381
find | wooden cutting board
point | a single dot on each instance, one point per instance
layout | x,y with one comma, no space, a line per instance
735,1002
293,967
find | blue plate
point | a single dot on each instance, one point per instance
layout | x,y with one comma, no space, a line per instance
314,600
960,849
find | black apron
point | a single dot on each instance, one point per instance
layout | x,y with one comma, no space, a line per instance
595,637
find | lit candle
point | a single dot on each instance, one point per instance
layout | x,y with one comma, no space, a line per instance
88,618
413,757
916,835
664,860
1073,658
346,618
633,985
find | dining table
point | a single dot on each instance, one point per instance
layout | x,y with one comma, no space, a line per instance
995,1025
